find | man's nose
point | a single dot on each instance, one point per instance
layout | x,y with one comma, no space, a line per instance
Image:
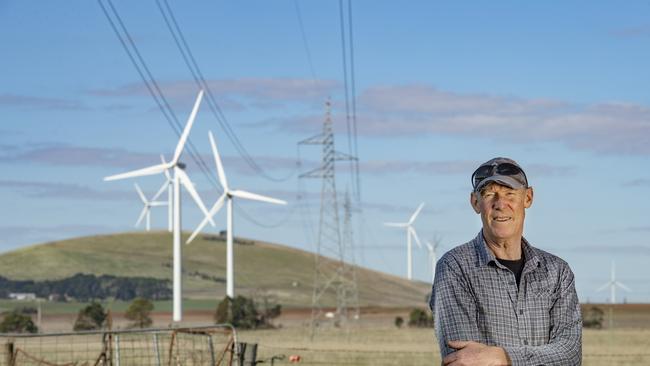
498,202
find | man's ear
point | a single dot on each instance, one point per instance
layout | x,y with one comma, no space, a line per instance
473,200
528,200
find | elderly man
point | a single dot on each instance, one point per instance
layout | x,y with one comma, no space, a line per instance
497,299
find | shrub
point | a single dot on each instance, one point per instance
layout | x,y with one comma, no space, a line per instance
91,317
139,313
241,312
593,318
399,321
420,319
17,322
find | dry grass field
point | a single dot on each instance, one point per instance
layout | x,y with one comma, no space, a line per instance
374,340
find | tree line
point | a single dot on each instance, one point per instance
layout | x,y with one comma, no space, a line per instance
86,287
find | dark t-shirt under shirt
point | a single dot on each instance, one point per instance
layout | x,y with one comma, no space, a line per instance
516,266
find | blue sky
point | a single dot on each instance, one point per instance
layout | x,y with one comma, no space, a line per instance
440,87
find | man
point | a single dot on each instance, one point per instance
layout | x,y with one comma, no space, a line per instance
497,300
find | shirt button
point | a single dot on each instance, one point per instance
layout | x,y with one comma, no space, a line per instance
526,341
521,311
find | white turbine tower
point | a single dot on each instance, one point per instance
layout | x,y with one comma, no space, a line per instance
612,283
146,210
410,232
228,194
431,248
180,177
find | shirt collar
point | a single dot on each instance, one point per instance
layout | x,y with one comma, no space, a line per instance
485,255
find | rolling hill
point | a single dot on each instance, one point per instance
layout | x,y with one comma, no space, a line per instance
261,268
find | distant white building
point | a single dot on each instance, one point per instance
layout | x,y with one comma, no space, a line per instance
22,296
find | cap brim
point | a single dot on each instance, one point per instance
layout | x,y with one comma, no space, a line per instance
504,180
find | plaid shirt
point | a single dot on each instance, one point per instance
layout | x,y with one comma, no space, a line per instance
475,298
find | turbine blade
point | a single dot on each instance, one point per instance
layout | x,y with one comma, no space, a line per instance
142,197
415,236
157,204
215,208
186,131
156,169
604,286
623,286
142,215
167,175
429,246
396,224
162,190
187,183
416,213
217,160
256,197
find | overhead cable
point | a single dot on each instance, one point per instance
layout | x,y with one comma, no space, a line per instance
199,79
152,85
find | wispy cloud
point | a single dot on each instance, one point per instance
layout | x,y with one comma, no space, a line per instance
410,110
641,182
612,249
259,93
452,167
120,159
57,154
52,190
640,31
29,101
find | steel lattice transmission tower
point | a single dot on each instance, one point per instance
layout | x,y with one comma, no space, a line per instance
334,277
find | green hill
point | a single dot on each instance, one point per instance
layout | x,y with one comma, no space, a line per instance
260,268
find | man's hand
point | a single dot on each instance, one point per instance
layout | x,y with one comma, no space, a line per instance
474,353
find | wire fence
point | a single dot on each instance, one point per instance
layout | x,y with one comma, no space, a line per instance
210,345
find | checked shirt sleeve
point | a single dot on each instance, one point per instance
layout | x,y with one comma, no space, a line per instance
453,305
565,343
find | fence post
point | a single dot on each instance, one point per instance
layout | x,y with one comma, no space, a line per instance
211,350
155,348
9,349
117,350
247,354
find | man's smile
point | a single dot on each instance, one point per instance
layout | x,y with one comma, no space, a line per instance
502,218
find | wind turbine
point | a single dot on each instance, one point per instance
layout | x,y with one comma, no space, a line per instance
146,210
410,232
180,177
612,283
432,256
228,194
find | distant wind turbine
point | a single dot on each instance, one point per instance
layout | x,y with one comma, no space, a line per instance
180,178
169,186
432,256
612,283
146,210
410,232
228,194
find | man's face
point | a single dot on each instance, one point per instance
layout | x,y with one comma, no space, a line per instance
502,210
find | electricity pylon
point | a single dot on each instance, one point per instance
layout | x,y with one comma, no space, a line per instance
334,277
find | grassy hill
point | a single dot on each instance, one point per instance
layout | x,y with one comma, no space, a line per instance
260,268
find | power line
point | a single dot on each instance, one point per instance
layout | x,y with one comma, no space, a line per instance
354,101
276,224
149,80
199,79
346,85
304,40
349,81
